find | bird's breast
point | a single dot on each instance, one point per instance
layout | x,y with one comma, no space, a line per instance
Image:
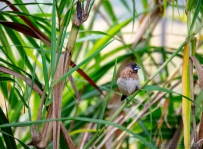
128,85
128,73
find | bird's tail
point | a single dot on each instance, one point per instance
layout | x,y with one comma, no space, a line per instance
123,97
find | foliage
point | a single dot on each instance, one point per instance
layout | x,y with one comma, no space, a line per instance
37,41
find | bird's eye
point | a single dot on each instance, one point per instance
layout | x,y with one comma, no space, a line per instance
136,68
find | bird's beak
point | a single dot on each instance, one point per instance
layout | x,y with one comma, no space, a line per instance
136,68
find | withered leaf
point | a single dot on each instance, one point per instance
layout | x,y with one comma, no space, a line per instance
20,27
199,70
36,88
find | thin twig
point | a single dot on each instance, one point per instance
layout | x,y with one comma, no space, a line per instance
87,6
84,136
176,137
72,123
193,105
104,18
75,88
78,99
110,131
143,27
67,138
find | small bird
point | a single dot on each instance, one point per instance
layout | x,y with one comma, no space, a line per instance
128,82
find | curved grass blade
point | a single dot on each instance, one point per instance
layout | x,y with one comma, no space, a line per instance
9,141
46,39
108,96
62,34
197,9
29,123
16,74
125,3
62,6
86,77
109,11
25,4
79,65
53,41
45,73
16,39
153,87
29,23
8,79
6,48
10,136
111,32
37,17
21,71
21,28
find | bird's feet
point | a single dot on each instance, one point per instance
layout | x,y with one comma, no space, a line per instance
137,88
127,101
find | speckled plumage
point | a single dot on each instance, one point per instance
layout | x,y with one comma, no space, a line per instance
128,86
128,81
129,73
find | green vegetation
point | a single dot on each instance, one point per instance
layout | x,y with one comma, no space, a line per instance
59,63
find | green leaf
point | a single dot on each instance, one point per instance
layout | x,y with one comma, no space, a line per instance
63,29
53,40
29,123
22,7
79,65
23,144
9,141
197,9
62,6
145,4
189,5
109,10
125,3
115,29
108,96
153,87
16,39
6,48
45,74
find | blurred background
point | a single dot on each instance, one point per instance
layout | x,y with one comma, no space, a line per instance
147,32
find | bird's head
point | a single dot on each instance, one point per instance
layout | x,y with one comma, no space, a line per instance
134,67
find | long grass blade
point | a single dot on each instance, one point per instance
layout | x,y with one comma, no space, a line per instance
186,104
79,65
108,96
53,41
143,140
